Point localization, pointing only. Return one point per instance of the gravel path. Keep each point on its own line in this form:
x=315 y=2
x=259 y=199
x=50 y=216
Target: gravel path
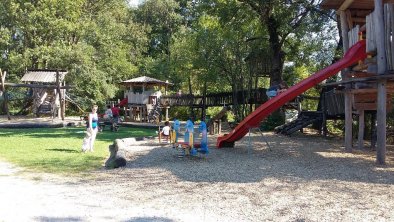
x=303 y=178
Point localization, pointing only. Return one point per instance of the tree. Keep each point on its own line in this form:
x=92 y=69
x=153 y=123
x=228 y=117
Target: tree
x=96 y=41
x=284 y=19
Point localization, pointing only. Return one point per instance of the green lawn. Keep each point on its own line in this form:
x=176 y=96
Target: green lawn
x=58 y=150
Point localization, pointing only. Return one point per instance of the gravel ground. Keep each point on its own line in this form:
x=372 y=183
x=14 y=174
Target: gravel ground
x=303 y=178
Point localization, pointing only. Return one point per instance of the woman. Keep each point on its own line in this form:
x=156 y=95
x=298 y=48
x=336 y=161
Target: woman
x=92 y=126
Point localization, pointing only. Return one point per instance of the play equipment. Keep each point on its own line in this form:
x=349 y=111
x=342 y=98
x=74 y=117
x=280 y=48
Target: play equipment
x=353 y=55
x=189 y=146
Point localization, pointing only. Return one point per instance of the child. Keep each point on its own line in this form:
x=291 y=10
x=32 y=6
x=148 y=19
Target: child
x=276 y=89
x=166 y=129
x=165 y=132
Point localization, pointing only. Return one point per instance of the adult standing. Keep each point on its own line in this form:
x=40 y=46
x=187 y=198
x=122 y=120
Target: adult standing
x=115 y=113
x=92 y=127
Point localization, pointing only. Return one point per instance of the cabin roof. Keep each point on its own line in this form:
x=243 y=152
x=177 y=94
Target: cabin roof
x=145 y=80
x=43 y=75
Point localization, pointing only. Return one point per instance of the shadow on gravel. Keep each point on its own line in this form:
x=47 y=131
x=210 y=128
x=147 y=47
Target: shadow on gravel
x=149 y=219
x=58 y=219
x=296 y=159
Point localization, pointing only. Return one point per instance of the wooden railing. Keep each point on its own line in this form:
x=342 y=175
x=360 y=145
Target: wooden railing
x=216 y=99
x=353 y=35
x=372 y=35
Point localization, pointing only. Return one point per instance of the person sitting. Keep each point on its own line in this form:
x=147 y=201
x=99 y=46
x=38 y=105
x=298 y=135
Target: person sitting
x=275 y=90
x=108 y=113
x=165 y=132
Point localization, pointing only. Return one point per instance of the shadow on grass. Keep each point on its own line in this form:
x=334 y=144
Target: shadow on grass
x=69 y=164
x=64 y=150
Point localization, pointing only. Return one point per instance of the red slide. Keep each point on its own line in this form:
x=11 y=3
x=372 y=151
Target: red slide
x=353 y=55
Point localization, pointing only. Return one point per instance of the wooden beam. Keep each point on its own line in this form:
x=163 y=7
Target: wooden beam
x=359 y=20
x=351 y=80
x=37 y=86
x=369 y=106
x=345 y=5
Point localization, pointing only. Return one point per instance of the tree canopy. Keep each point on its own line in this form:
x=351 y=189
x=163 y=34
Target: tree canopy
x=201 y=46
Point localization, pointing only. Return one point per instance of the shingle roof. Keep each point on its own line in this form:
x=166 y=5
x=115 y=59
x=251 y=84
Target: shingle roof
x=46 y=76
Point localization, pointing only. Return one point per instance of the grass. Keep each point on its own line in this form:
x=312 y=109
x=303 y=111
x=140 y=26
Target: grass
x=58 y=150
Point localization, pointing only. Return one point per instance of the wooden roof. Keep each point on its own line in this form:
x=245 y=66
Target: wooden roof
x=145 y=80
x=43 y=75
x=353 y=4
x=350 y=4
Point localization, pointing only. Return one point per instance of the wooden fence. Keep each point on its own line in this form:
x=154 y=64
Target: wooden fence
x=216 y=99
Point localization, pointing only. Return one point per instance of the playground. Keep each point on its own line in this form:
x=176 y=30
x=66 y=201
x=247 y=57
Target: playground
x=302 y=178
x=197 y=111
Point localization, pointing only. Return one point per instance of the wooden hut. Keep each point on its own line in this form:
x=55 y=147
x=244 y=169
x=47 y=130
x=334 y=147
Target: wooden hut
x=48 y=99
x=369 y=85
x=142 y=94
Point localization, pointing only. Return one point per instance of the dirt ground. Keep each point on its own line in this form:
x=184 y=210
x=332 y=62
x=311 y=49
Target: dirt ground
x=302 y=178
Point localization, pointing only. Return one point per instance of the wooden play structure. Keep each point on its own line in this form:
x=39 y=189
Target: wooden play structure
x=143 y=94
x=47 y=89
x=368 y=86
x=50 y=101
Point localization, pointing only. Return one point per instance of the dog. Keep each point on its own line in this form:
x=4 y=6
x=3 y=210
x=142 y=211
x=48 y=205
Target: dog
x=86 y=141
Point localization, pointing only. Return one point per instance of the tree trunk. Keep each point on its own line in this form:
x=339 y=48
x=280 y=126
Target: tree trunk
x=277 y=61
x=276 y=49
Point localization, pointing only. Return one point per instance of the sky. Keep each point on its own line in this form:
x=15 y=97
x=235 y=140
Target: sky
x=134 y=3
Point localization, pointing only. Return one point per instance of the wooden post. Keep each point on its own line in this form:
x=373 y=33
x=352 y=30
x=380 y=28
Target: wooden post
x=361 y=127
x=220 y=126
x=348 y=99
x=344 y=30
x=2 y=78
x=159 y=135
x=204 y=98
x=381 y=123
x=373 y=131
x=324 y=113
x=348 y=122
x=382 y=67
x=167 y=108
x=60 y=94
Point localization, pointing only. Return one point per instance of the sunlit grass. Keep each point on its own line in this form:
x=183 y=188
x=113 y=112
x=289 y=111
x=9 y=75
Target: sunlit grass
x=59 y=150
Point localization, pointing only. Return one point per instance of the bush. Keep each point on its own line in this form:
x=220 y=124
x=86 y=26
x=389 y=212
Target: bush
x=272 y=121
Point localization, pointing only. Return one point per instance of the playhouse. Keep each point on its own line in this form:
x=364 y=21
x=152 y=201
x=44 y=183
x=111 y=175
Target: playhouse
x=143 y=94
